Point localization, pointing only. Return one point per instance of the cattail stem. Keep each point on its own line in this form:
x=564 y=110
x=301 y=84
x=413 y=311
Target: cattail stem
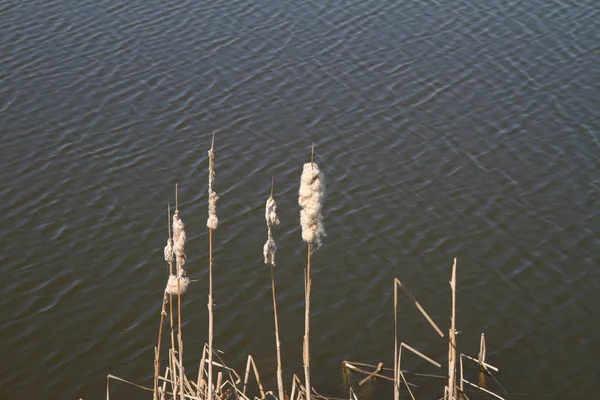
x=306 y=357
x=171 y=295
x=452 y=392
x=210 y=318
x=157 y=358
x=179 y=338
x=277 y=341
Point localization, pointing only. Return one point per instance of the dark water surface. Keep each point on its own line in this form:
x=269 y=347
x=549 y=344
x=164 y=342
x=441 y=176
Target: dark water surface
x=465 y=128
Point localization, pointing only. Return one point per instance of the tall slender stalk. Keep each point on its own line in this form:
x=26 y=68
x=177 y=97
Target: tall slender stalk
x=452 y=392
x=179 y=238
x=269 y=251
x=212 y=224
x=157 y=357
x=210 y=317
x=307 y=329
x=277 y=341
x=311 y=195
x=168 y=252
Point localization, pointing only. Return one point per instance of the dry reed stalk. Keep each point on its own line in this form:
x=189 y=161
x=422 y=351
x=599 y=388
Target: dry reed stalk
x=482 y=352
x=157 y=357
x=179 y=238
x=371 y=375
x=306 y=352
x=398 y=283
x=201 y=382
x=310 y=198
x=452 y=393
x=212 y=224
x=277 y=341
x=251 y=363
x=269 y=250
x=170 y=259
x=353 y=366
x=168 y=253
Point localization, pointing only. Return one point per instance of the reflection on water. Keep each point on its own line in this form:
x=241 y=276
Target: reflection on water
x=446 y=129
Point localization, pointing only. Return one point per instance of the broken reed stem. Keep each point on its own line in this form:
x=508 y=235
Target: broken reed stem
x=277 y=341
x=306 y=355
x=210 y=316
x=452 y=392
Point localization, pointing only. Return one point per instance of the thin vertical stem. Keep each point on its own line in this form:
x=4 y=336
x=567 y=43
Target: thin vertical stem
x=307 y=330
x=179 y=338
x=277 y=342
x=396 y=366
x=170 y=294
x=452 y=347
x=157 y=359
x=272 y=185
x=210 y=316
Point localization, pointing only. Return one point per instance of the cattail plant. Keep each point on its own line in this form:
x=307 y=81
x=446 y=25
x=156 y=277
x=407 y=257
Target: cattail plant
x=179 y=283
x=169 y=258
x=269 y=250
x=310 y=198
x=212 y=224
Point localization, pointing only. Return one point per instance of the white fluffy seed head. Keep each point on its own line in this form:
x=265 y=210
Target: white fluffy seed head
x=169 y=251
x=271 y=212
x=179 y=238
x=310 y=197
x=172 y=284
x=212 y=222
x=270 y=248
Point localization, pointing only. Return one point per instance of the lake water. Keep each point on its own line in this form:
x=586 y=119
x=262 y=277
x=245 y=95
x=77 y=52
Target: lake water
x=465 y=128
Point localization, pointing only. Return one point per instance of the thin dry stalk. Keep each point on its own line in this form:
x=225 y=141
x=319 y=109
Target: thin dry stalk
x=306 y=353
x=482 y=351
x=371 y=375
x=452 y=393
x=210 y=318
x=157 y=357
x=353 y=367
x=398 y=283
x=277 y=341
x=201 y=382
x=179 y=338
x=212 y=224
x=269 y=253
x=250 y=363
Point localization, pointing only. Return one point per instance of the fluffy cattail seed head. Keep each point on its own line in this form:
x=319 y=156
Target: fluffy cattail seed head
x=169 y=251
x=179 y=238
x=270 y=248
x=310 y=198
x=212 y=221
x=171 y=288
